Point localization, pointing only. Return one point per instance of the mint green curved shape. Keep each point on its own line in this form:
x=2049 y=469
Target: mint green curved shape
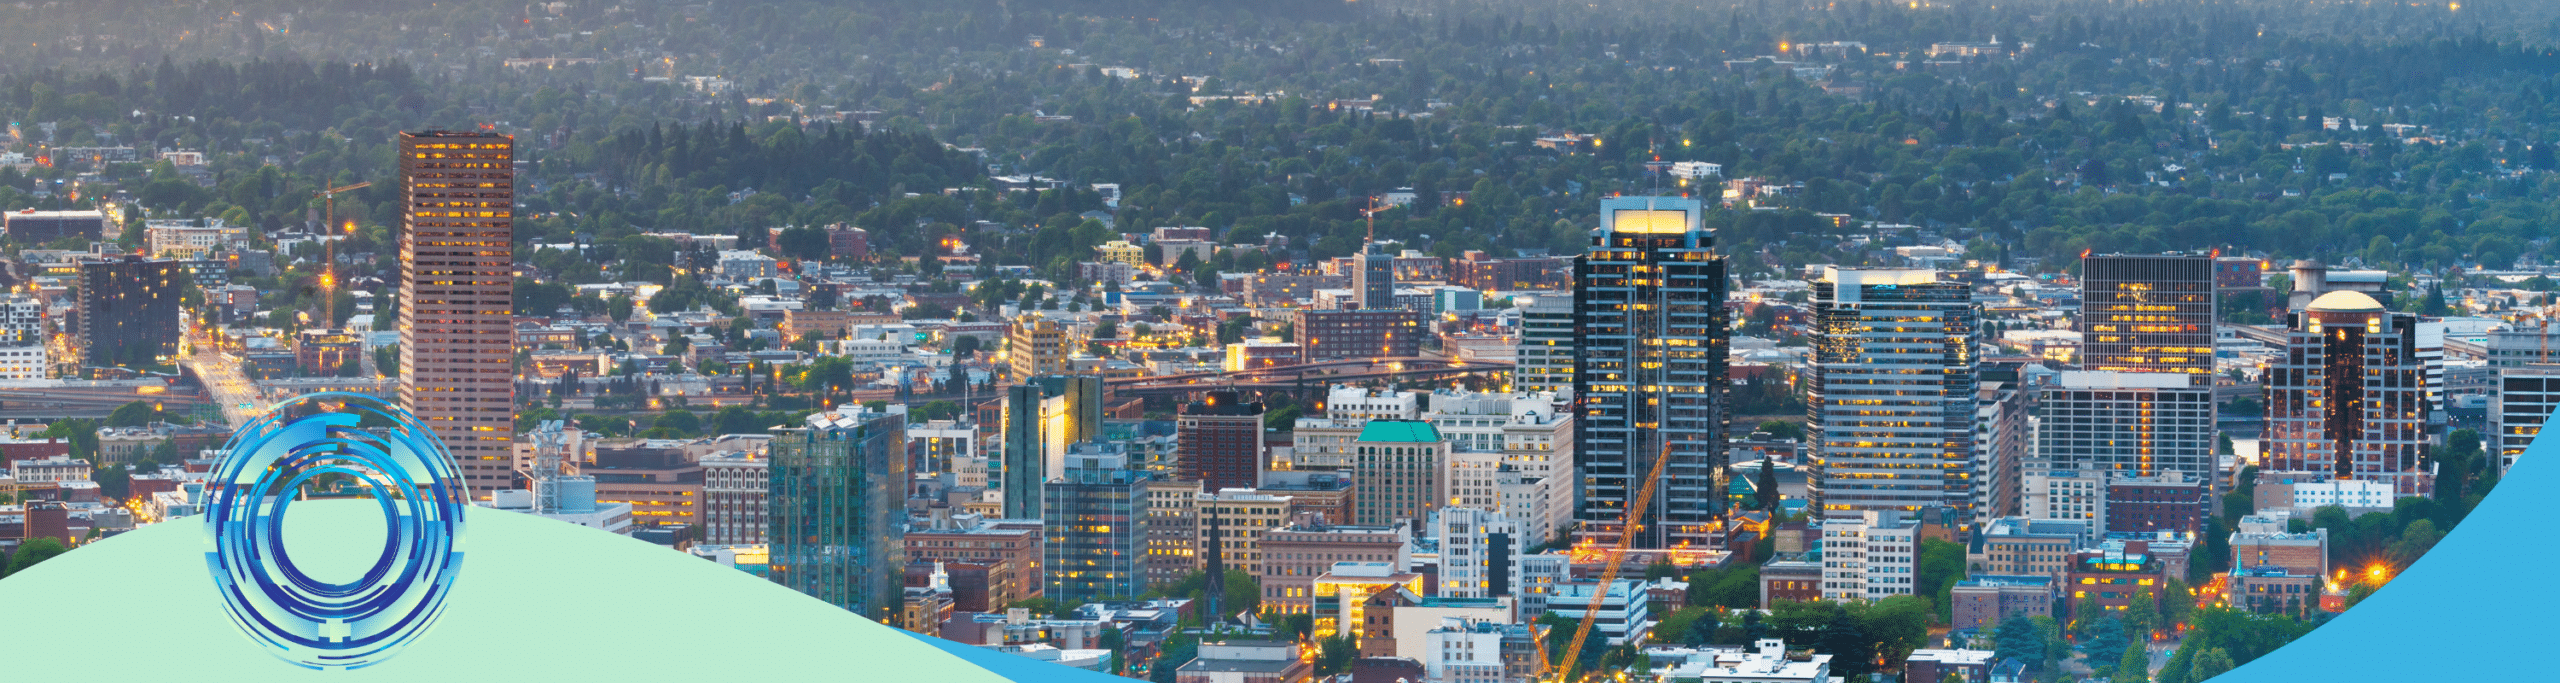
x=547 y=600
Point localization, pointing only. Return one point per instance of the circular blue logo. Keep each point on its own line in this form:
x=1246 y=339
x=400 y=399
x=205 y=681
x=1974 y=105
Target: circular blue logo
x=386 y=454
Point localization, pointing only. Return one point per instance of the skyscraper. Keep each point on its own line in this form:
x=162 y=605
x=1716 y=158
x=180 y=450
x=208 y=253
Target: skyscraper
x=838 y=509
x=1375 y=280
x=457 y=276
x=2145 y=406
x=2148 y=313
x=1094 y=524
x=129 y=311
x=2348 y=395
x=1649 y=308
x=1220 y=442
x=1891 y=417
x=1043 y=416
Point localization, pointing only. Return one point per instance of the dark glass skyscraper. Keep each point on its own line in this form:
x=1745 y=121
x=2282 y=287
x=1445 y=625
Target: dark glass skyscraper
x=1094 y=527
x=1042 y=417
x=1649 y=307
x=2148 y=313
x=838 y=510
x=129 y=311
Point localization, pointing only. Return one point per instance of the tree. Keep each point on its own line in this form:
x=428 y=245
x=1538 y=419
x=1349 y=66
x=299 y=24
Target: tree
x=114 y=481
x=679 y=423
x=2210 y=663
x=1941 y=566
x=2134 y=666
x=1177 y=651
x=1335 y=655
x=1770 y=500
x=32 y=552
x=618 y=308
x=135 y=414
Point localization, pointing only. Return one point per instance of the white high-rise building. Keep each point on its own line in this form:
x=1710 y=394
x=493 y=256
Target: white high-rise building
x=2132 y=424
x=1545 y=359
x=1463 y=651
x=1870 y=557
x=1480 y=553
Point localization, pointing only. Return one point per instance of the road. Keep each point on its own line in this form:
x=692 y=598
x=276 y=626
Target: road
x=231 y=390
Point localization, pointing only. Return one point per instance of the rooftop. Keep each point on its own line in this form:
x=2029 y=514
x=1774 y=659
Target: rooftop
x=1400 y=431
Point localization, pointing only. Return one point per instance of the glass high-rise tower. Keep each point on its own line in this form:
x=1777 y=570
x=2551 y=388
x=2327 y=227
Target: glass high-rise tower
x=1650 y=381
x=837 y=523
x=457 y=285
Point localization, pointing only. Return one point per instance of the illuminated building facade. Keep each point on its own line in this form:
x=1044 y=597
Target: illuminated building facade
x=457 y=278
x=2142 y=313
x=1650 y=380
x=1891 y=416
x=2126 y=424
x=1035 y=346
x=1094 y=527
x=2348 y=396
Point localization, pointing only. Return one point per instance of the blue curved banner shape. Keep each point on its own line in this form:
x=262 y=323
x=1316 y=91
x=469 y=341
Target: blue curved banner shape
x=2473 y=607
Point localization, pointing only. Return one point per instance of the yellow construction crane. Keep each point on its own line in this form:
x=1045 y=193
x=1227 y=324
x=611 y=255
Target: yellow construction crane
x=1609 y=571
x=329 y=264
x=330 y=196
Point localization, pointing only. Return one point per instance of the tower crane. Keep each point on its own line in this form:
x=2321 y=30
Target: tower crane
x=1617 y=559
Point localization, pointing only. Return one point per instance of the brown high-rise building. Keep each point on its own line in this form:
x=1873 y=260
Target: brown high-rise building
x=2148 y=313
x=457 y=273
x=1220 y=442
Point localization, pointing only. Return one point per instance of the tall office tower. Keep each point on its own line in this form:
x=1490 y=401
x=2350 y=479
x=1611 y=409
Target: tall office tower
x=1546 y=347
x=1650 y=378
x=2348 y=395
x=2526 y=398
x=457 y=278
x=129 y=313
x=1042 y=417
x=2127 y=424
x=1891 y=416
x=1219 y=440
x=1400 y=472
x=1374 y=282
x=2148 y=313
x=837 y=507
x=1094 y=527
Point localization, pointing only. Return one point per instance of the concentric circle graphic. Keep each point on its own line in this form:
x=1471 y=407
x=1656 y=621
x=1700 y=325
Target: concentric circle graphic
x=369 y=448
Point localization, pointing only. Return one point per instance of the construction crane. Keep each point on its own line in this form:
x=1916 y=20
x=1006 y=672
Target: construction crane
x=1609 y=571
x=329 y=266
x=330 y=197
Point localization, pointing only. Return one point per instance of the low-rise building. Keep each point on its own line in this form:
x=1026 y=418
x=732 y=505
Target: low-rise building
x=1985 y=600
x=1971 y=666
x=1246 y=661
